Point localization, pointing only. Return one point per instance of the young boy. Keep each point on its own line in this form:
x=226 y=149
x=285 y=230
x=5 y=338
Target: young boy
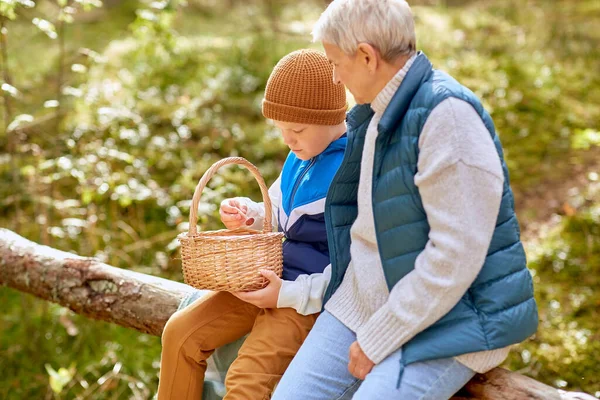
x=309 y=109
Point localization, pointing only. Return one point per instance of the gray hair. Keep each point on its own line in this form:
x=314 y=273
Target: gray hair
x=387 y=25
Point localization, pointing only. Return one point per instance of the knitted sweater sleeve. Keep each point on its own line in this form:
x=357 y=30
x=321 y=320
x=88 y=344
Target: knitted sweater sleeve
x=460 y=181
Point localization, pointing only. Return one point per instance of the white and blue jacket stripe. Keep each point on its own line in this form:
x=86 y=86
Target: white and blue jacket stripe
x=299 y=204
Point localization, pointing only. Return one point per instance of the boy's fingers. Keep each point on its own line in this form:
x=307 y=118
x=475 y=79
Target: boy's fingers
x=230 y=218
x=233 y=214
x=229 y=209
x=270 y=275
x=236 y=203
x=226 y=202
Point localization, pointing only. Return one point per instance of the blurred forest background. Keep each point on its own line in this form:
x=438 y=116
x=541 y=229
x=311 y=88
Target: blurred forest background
x=111 y=111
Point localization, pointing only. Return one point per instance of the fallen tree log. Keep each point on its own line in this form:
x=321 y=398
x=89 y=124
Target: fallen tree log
x=88 y=287
x=144 y=303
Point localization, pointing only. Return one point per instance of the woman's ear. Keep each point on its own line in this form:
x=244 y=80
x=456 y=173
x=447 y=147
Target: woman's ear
x=368 y=56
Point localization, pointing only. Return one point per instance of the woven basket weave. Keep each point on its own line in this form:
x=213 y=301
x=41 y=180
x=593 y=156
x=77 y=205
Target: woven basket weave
x=230 y=260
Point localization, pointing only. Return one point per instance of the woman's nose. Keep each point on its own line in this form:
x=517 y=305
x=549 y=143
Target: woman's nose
x=336 y=78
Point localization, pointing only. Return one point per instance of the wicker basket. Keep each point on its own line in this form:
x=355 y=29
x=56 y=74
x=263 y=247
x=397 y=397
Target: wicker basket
x=230 y=260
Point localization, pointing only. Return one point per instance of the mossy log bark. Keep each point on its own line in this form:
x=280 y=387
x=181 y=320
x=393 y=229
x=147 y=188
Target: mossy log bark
x=88 y=287
x=145 y=303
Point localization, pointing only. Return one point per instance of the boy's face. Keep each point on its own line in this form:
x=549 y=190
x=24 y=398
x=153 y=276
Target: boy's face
x=306 y=141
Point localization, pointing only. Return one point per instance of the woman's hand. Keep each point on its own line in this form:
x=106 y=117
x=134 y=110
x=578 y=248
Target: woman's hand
x=360 y=365
x=266 y=297
x=233 y=214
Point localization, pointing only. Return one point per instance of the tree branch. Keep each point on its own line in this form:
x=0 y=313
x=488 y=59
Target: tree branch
x=145 y=303
x=88 y=287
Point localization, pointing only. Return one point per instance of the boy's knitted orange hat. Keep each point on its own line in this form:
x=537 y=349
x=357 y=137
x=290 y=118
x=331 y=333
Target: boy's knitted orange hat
x=301 y=90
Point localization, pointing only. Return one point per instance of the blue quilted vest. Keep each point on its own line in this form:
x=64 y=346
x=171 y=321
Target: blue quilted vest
x=498 y=309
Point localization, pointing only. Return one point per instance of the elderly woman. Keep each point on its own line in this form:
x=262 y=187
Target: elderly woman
x=428 y=281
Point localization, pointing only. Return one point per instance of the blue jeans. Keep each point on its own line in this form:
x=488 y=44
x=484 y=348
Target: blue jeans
x=320 y=371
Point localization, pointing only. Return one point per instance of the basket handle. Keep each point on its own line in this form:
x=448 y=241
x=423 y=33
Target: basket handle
x=267 y=227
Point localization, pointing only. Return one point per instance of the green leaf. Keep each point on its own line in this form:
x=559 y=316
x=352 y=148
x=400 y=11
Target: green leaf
x=147 y=15
x=125 y=201
x=51 y=103
x=26 y=3
x=89 y=4
x=10 y=89
x=159 y=5
x=7 y=8
x=7 y=11
x=45 y=26
x=58 y=380
x=585 y=138
x=18 y=121
x=28 y=170
x=79 y=68
x=66 y=15
x=87 y=196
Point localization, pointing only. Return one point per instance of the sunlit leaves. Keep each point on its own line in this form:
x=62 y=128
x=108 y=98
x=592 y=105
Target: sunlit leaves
x=66 y=15
x=59 y=379
x=10 y=89
x=89 y=4
x=51 y=103
x=153 y=109
x=19 y=121
x=566 y=346
x=537 y=84
x=8 y=7
x=147 y=15
x=45 y=26
x=79 y=68
x=585 y=138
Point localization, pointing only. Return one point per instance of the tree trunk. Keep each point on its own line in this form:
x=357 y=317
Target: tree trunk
x=88 y=287
x=145 y=303
x=500 y=383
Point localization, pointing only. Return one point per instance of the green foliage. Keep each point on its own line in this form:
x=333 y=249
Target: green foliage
x=98 y=360
x=531 y=64
x=8 y=8
x=147 y=116
x=585 y=139
x=45 y=26
x=155 y=93
x=566 y=267
x=59 y=379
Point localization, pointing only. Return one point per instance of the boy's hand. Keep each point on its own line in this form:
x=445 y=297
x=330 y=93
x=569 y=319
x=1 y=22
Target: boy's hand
x=233 y=214
x=266 y=297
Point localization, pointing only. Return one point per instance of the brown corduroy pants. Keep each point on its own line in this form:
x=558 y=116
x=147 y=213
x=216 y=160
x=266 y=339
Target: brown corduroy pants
x=191 y=335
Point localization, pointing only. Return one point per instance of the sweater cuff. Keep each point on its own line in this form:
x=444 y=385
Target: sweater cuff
x=381 y=335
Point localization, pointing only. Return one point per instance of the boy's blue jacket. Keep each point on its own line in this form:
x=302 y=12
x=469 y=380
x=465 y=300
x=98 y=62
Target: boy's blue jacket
x=301 y=191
